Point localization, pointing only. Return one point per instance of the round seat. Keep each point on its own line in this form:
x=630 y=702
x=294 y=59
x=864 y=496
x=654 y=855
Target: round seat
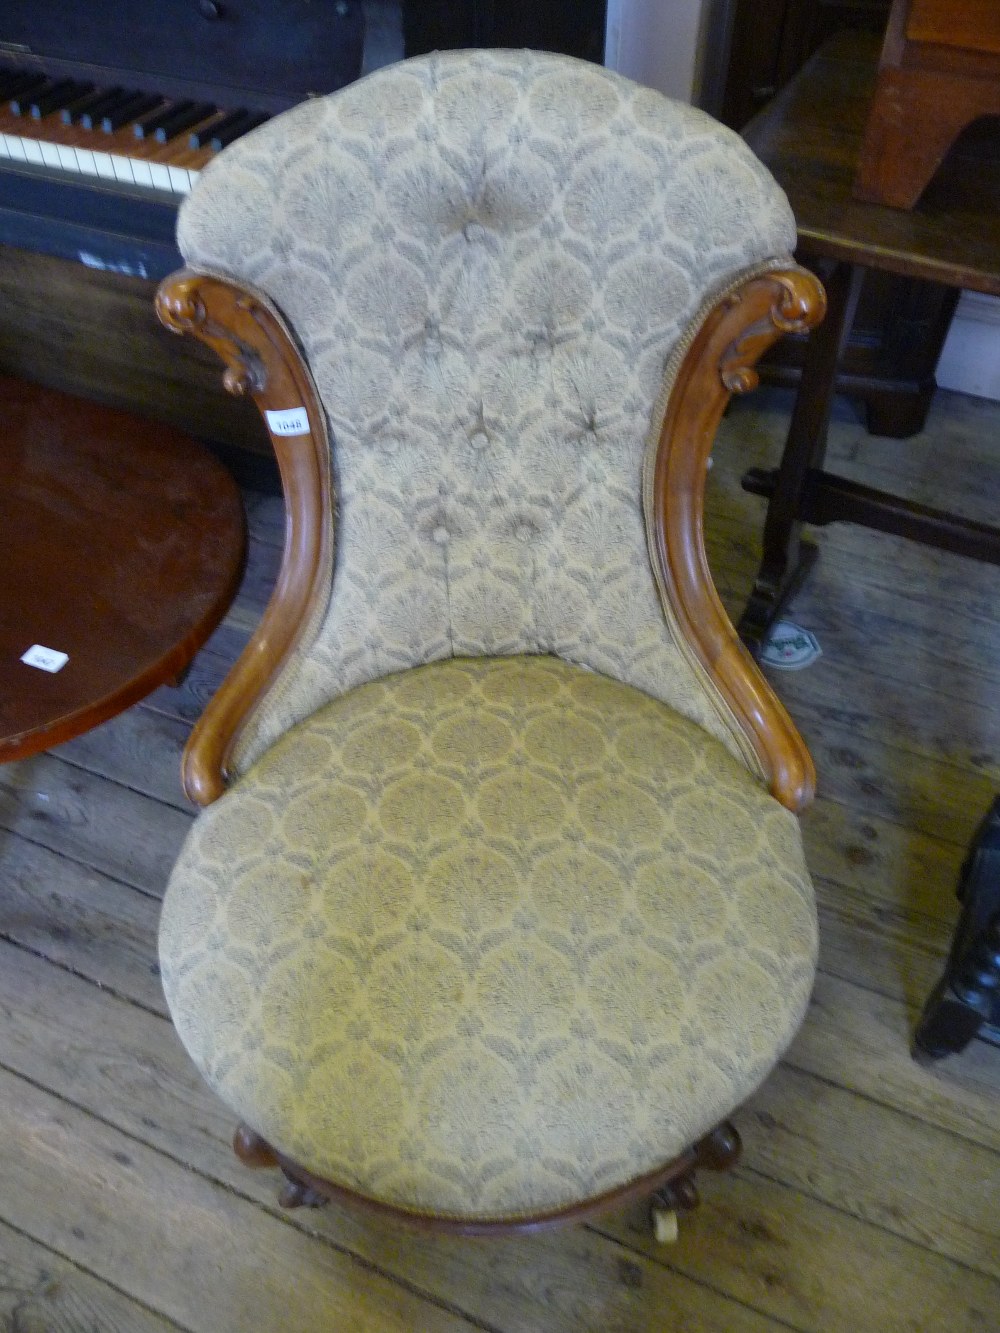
x=489 y=938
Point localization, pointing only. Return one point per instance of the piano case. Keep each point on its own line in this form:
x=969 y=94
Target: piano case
x=80 y=253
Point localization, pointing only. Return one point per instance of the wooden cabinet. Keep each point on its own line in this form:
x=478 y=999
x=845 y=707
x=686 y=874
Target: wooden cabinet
x=939 y=72
x=971 y=24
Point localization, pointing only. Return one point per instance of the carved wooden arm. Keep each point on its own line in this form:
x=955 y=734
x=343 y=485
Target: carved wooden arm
x=720 y=362
x=262 y=360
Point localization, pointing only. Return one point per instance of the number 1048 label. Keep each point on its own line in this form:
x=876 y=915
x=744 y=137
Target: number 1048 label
x=288 y=421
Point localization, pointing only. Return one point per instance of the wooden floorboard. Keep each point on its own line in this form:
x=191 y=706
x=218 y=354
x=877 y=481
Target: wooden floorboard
x=869 y=1193
x=40 y=1290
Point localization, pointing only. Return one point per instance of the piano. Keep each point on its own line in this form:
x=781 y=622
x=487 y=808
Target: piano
x=108 y=110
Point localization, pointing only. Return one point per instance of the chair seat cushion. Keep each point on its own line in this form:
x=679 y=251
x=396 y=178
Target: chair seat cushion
x=489 y=938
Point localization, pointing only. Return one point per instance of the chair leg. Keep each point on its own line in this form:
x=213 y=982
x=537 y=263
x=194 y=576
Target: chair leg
x=251 y=1149
x=295 y=1194
x=670 y=1200
x=255 y=1152
x=719 y=1150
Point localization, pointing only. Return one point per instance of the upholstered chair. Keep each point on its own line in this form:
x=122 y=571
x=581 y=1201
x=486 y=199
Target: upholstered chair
x=497 y=908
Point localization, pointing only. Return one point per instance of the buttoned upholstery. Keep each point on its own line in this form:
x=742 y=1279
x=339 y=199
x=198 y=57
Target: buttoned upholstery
x=497 y=915
x=491 y=259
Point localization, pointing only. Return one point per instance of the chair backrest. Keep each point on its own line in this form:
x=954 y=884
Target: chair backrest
x=493 y=263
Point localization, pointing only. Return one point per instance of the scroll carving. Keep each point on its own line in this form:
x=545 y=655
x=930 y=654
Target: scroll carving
x=181 y=309
x=797 y=305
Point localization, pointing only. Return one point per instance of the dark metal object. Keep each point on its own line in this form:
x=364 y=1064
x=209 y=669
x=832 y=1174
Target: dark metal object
x=968 y=995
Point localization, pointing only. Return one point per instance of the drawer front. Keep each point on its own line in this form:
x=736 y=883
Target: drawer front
x=974 y=24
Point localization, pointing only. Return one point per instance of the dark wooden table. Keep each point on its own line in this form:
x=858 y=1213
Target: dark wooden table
x=121 y=546
x=810 y=138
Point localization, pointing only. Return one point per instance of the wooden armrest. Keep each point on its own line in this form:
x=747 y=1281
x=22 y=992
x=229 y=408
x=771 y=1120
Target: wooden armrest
x=719 y=363
x=261 y=359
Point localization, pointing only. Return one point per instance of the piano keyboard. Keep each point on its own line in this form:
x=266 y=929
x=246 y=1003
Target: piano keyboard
x=115 y=135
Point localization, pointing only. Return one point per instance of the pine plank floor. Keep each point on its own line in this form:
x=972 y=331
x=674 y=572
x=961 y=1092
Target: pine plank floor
x=869 y=1194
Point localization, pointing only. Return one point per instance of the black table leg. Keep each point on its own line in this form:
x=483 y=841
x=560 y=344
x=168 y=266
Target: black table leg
x=787 y=559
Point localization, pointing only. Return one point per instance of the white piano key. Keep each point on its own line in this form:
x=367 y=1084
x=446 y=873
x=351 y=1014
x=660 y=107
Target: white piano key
x=15 y=148
x=85 y=162
x=122 y=168
x=180 y=180
x=160 y=176
x=107 y=166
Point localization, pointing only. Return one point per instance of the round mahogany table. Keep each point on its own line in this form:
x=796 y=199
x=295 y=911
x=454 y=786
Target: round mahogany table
x=121 y=545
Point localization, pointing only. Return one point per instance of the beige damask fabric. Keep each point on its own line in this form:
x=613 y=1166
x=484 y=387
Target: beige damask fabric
x=489 y=937
x=490 y=259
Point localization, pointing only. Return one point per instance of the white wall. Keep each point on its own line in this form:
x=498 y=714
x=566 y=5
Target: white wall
x=658 y=42
x=970 y=359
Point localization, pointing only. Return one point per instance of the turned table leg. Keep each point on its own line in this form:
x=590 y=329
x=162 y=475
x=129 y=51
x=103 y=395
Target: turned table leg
x=787 y=559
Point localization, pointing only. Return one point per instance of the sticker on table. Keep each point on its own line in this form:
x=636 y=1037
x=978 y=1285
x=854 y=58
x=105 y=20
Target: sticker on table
x=789 y=647
x=288 y=421
x=46 y=659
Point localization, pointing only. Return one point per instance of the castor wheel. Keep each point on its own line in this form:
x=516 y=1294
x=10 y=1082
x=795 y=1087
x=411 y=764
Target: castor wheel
x=295 y=1194
x=666 y=1226
x=676 y=1197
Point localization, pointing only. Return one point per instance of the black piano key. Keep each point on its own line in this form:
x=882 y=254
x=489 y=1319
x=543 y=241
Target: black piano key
x=199 y=137
x=19 y=102
x=145 y=127
x=58 y=96
x=137 y=105
x=231 y=127
x=89 y=117
x=73 y=113
x=72 y=105
x=202 y=137
x=183 y=117
x=160 y=124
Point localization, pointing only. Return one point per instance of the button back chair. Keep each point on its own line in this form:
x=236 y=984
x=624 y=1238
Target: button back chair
x=498 y=906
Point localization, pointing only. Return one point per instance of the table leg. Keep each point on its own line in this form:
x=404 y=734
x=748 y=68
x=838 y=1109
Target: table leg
x=787 y=559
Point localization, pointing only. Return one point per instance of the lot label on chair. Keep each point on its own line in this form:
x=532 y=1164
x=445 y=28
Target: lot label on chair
x=46 y=659
x=288 y=421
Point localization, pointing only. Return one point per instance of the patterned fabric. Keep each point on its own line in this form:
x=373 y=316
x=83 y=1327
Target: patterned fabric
x=490 y=259
x=489 y=937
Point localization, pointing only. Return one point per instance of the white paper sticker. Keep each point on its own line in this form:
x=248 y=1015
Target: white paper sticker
x=46 y=659
x=289 y=421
